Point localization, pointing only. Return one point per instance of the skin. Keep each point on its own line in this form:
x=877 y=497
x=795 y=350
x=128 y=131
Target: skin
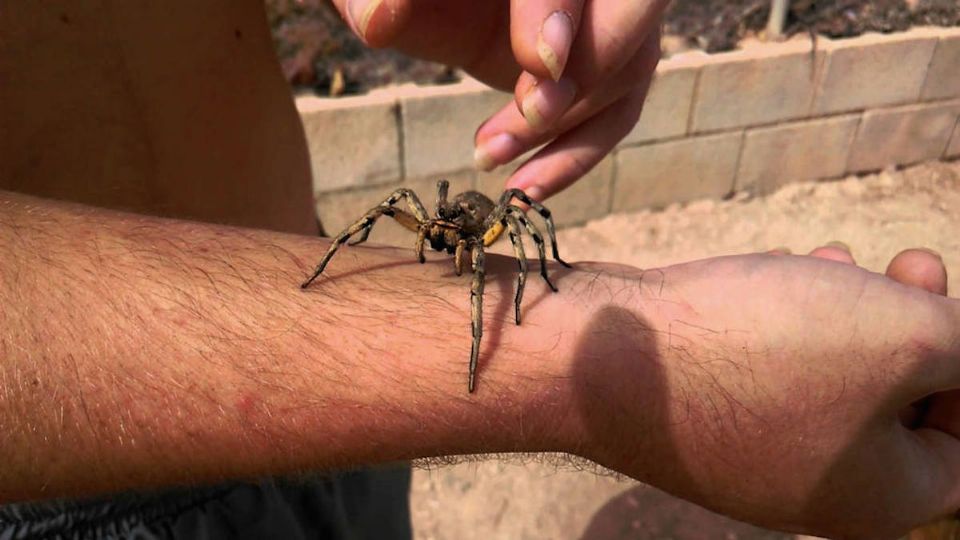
x=613 y=55
x=208 y=362
x=98 y=113
x=773 y=388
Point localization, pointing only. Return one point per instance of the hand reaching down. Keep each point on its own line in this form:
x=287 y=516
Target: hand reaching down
x=579 y=69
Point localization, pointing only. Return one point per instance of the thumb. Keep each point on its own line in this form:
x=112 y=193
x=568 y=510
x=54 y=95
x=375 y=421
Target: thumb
x=942 y=453
x=376 y=22
x=939 y=439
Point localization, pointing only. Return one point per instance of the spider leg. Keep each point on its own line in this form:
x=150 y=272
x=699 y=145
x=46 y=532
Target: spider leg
x=416 y=207
x=458 y=256
x=534 y=231
x=476 y=312
x=405 y=219
x=418 y=248
x=363 y=237
x=366 y=222
x=510 y=194
x=409 y=220
x=341 y=238
x=517 y=241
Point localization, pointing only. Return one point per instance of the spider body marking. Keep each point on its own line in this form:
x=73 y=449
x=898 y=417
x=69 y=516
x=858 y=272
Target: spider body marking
x=462 y=227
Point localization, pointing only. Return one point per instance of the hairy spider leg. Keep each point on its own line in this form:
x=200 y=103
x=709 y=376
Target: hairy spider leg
x=367 y=221
x=502 y=212
x=476 y=312
x=458 y=256
x=418 y=247
x=534 y=231
x=405 y=219
x=419 y=212
x=510 y=194
x=517 y=242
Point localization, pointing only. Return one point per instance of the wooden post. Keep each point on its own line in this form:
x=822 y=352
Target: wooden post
x=778 y=19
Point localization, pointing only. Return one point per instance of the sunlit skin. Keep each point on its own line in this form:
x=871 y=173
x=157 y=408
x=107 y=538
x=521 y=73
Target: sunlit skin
x=780 y=408
x=614 y=50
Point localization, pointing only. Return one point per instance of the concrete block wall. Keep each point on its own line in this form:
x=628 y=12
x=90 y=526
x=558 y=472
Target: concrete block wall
x=750 y=120
x=953 y=151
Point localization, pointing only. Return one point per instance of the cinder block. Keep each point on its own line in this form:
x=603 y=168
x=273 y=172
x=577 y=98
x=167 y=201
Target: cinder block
x=353 y=141
x=588 y=198
x=953 y=151
x=798 y=151
x=874 y=71
x=657 y=175
x=903 y=135
x=439 y=124
x=340 y=209
x=667 y=109
x=943 y=77
x=757 y=86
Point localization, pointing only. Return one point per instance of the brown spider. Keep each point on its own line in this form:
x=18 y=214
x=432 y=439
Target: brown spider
x=469 y=223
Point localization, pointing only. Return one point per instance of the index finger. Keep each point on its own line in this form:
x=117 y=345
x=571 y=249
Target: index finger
x=542 y=33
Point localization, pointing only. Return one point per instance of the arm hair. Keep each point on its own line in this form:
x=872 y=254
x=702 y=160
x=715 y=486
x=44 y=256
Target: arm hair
x=138 y=351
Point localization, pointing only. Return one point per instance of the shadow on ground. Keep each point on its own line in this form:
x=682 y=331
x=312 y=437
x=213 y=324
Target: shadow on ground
x=644 y=513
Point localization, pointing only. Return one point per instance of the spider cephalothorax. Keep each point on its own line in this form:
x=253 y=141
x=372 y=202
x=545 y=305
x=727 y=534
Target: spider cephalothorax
x=465 y=225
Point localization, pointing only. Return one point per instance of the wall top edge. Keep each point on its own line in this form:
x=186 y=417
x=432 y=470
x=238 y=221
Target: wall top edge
x=694 y=59
x=308 y=103
x=919 y=33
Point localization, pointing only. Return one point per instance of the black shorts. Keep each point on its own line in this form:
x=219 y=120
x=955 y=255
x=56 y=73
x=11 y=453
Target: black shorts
x=355 y=505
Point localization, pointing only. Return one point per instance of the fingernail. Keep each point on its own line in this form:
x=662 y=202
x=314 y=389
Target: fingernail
x=554 y=42
x=361 y=11
x=782 y=249
x=496 y=150
x=546 y=102
x=839 y=245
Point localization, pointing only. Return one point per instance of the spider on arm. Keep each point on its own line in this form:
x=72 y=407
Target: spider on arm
x=465 y=225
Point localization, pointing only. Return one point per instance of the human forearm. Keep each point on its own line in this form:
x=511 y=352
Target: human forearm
x=139 y=351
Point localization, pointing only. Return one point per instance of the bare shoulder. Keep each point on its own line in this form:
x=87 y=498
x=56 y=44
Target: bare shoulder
x=170 y=108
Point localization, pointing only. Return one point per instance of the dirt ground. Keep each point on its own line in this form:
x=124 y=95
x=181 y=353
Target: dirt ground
x=878 y=216
x=719 y=25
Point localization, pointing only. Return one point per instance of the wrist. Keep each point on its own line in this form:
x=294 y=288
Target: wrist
x=620 y=395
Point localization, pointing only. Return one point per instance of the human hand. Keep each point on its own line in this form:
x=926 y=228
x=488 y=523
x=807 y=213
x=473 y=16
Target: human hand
x=579 y=69
x=791 y=392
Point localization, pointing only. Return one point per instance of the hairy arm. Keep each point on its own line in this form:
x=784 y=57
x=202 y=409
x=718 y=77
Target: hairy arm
x=137 y=351
x=140 y=352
